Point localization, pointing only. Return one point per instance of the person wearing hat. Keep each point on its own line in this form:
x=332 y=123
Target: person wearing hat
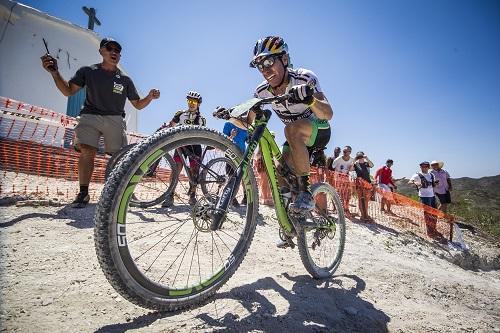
x=443 y=187
x=107 y=89
x=361 y=166
x=425 y=183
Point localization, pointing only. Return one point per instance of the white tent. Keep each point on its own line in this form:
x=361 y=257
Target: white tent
x=21 y=74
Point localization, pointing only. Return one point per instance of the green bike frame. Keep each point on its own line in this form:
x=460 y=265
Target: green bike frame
x=270 y=150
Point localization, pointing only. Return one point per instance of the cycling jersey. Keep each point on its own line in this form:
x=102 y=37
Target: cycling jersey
x=287 y=111
x=186 y=117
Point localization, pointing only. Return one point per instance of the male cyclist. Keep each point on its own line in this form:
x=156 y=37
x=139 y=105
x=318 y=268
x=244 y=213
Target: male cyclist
x=191 y=116
x=305 y=114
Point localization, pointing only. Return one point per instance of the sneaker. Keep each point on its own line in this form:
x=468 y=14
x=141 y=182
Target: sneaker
x=192 y=199
x=82 y=199
x=303 y=202
x=169 y=201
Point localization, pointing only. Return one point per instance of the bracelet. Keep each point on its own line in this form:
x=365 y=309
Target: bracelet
x=313 y=102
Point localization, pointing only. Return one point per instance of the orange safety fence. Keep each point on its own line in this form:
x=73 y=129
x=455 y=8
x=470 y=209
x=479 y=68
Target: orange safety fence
x=37 y=157
x=37 y=160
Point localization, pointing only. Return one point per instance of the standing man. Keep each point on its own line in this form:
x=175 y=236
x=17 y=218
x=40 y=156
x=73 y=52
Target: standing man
x=107 y=89
x=384 y=180
x=192 y=117
x=329 y=160
x=361 y=166
x=425 y=183
x=341 y=165
x=443 y=186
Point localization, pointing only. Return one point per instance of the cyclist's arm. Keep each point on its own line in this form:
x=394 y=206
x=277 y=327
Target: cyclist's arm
x=244 y=122
x=321 y=108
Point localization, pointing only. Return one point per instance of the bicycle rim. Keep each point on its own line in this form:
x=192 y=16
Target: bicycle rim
x=167 y=258
x=321 y=247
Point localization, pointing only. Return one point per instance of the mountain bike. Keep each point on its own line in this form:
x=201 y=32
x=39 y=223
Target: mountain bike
x=177 y=258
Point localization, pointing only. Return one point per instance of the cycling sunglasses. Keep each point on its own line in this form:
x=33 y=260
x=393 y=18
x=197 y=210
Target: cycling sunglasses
x=265 y=63
x=112 y=48
x=192 y=101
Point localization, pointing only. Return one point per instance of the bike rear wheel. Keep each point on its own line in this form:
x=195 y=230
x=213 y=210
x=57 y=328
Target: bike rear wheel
x=156 y=186
x=169 y=259
x=321 y=246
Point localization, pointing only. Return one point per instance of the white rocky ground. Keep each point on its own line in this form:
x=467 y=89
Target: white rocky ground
x=388 y=281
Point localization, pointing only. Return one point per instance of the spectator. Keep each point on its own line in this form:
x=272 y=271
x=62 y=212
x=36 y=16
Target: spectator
x=443 y=187
x=361 y=166
x=239 y=136
x=425 y=183
x=329 y=160
x=384 y=180
x=318 y=158
x=107 y=89
x=341 y=165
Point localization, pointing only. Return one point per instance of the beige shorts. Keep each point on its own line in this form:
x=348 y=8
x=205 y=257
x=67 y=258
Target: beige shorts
x=90 y=127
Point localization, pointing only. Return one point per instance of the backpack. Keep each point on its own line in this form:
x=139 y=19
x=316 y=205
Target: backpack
x=425 y=183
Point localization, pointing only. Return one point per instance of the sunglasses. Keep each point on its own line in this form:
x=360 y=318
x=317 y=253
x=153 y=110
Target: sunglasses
x=111 y=48
x=265 y=63
x=192 y=101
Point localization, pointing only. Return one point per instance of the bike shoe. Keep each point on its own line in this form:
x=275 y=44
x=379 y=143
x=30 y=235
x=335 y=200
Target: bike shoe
x=169 y=201
x=303 y=202
x=82 y=199
x=284 y=244
x=192 y=199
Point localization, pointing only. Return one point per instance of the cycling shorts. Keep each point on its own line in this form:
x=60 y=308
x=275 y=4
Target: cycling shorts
x=320 y=136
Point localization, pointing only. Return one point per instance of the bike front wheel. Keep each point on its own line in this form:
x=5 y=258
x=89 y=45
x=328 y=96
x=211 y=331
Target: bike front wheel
x=321 y=242
x=168 y=258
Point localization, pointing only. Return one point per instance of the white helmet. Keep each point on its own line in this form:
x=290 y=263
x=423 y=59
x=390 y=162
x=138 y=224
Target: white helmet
x=194 y=95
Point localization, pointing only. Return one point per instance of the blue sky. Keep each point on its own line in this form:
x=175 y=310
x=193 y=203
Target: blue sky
x=408 y=80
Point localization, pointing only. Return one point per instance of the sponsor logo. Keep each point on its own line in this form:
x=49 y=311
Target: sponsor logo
x=117 y=88
x=121 y=235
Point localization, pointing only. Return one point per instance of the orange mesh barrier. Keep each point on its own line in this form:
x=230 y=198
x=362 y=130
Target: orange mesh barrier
x=37 y=159
x=406 y=214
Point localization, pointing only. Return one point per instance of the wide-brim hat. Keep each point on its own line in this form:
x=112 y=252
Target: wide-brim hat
x=439 y=163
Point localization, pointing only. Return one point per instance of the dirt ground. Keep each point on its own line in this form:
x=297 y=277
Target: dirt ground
x=388 y=282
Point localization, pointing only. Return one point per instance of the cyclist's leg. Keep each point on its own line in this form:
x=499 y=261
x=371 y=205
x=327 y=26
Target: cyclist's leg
x=169 y=200
x=301 y=135
x=195 y=152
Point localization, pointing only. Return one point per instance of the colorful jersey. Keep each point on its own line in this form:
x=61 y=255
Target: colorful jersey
x=287 y=111
x=385 y=175
x=241 y=134
x=186 y=117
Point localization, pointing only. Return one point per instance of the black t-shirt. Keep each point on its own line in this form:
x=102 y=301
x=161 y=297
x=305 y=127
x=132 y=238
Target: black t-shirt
x=106 y=91
x=363 y=171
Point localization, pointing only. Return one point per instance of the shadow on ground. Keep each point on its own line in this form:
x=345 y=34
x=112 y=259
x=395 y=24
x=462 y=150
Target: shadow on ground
x=313 y=306
x=81 y=218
